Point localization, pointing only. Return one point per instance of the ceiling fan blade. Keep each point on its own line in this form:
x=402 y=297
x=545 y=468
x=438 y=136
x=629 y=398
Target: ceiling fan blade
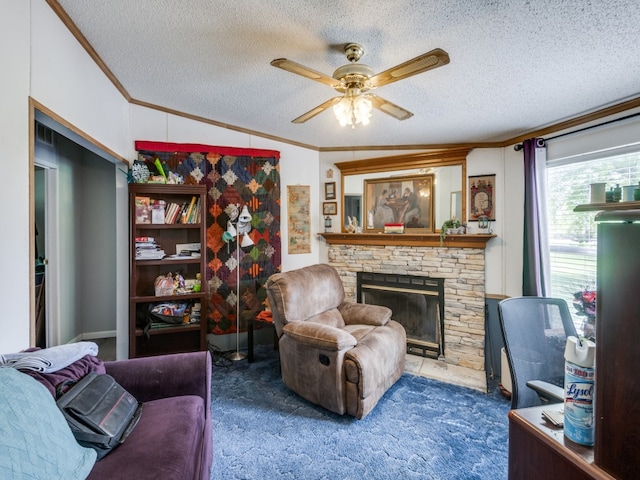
x=315 y=111
x=389 y=108
x=306 y=72
x=427 y=61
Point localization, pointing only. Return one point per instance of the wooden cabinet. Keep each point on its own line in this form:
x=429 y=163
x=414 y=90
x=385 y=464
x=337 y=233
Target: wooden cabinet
x=538 y=450
x=617 y=401
x=153 y=338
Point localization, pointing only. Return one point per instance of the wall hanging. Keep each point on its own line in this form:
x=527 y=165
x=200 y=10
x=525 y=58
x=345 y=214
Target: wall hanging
x=482 y=197
x=235 y=177
x=298 y=208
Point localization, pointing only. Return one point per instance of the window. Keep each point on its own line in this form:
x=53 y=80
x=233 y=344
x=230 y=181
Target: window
x=573 y=235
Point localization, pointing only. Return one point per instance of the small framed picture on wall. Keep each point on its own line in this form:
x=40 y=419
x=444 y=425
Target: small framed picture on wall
x=482 y=197
x=330 y=191
x=330 y=208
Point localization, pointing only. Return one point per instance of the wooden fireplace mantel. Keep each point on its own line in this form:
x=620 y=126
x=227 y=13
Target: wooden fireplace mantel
x=408 y=239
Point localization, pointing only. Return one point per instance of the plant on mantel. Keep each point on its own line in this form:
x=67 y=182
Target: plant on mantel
x=450 y=224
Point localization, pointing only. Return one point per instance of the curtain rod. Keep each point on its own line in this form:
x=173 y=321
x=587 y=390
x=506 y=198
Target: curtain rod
x=519 y=146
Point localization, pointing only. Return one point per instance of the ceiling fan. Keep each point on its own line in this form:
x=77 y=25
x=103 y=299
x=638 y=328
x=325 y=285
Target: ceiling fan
x=355 y=79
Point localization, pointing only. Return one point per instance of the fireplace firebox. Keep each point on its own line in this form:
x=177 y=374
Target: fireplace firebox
x=417 y=304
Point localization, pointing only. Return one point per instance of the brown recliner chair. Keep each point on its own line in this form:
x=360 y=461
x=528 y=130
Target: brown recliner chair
x=340 y=355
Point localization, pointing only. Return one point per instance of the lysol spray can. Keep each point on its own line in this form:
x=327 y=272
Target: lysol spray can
x=579 y=374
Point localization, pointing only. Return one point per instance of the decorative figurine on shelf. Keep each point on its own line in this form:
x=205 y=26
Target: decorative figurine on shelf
x=178 y=283
x=351 y=228
x=484 y=222
x=617 y=193
x=352 y=225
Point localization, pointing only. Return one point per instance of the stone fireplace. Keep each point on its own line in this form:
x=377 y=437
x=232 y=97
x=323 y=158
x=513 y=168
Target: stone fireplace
x=462 y=270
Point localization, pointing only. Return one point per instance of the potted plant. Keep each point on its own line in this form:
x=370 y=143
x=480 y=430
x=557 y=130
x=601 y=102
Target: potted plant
x=449 y=227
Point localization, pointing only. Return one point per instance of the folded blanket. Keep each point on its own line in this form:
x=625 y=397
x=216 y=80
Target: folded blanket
x=49 y=360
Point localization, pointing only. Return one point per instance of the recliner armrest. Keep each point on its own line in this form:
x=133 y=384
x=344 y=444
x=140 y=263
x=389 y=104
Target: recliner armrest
x=320 y=336
x=364 y=314
x=549 y=391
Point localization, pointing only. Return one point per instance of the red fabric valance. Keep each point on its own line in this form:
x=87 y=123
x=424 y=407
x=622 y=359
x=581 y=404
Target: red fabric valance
x=195 y=147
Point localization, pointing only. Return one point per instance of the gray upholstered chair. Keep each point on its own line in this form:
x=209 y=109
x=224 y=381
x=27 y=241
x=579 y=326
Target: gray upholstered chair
x=340 y=355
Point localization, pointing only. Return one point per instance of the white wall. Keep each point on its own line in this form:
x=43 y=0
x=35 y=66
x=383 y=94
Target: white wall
x=14 y=138
x=503 y=255
x=67 y=81
x=97 y=247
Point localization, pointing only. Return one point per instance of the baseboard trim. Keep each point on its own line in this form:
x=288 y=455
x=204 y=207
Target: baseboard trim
x=93 y=336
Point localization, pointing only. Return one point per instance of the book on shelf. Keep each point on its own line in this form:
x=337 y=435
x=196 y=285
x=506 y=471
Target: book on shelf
x=194 y=216
x=150 y=254
x=170 y=212
x=146 y=245
x=182 y=212
x=187 y=216
x=148 y=250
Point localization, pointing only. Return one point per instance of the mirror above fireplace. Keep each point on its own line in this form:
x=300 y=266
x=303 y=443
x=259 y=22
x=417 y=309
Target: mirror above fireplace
x=448 y=168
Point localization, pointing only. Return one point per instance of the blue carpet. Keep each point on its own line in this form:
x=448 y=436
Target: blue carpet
x=420 y=429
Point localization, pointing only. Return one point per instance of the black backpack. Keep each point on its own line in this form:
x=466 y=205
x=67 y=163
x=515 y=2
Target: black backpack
x=99 y=411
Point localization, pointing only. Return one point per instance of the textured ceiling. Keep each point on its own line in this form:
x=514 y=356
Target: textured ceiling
x=516 y=65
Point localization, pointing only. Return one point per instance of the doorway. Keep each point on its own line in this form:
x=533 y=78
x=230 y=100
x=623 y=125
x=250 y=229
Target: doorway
x=74 y=192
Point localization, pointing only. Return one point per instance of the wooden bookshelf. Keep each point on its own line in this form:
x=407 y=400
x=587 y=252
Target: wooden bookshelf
x=171 y=338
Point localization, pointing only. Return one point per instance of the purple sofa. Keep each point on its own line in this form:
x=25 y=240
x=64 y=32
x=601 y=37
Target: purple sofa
x=174 y=437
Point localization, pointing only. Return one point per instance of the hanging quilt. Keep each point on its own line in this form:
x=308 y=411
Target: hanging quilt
x=234 y=177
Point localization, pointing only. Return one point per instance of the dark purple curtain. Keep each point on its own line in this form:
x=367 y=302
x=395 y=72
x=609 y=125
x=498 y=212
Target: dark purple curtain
x=536 y=270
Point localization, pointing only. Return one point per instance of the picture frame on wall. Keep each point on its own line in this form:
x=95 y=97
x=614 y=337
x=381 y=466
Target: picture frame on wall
x=330 y=190
x=482 y=198
x=330 y=208
x=407 y=200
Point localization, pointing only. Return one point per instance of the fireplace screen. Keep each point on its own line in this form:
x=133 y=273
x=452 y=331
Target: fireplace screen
x=417 y=304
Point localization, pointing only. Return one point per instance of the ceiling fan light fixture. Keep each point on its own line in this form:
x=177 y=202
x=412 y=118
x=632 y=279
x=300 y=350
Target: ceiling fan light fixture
x=353 y=109
x=354 y=79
